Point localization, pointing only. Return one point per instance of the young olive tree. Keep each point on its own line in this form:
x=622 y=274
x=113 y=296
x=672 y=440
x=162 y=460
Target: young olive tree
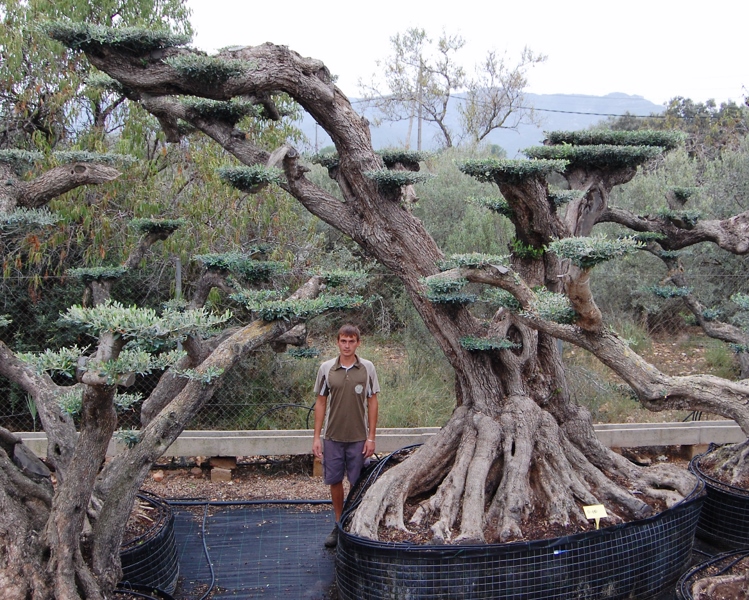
x=63 y=540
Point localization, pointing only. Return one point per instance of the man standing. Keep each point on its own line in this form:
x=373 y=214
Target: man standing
x=346 y=411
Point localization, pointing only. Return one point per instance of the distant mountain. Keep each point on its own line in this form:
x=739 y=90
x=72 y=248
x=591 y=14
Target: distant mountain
x=557 y=112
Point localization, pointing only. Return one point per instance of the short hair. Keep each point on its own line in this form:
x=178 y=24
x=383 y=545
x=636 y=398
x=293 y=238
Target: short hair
x=349 y=330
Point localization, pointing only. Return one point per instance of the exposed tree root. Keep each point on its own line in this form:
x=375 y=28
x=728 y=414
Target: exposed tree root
x=504 y=476
x=735 y=587
x=728 y=464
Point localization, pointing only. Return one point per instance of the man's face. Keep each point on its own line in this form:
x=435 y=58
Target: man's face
x=347 y=345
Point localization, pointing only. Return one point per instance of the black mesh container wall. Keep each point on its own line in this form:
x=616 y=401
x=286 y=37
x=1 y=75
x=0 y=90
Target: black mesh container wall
x=724 y=520
x=634 y=560
x=151 y=559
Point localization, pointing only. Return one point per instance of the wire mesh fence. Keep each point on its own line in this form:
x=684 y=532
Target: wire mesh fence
x=266 y=390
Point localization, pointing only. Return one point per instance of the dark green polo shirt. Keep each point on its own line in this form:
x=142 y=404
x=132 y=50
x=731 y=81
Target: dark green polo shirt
x=347 y=391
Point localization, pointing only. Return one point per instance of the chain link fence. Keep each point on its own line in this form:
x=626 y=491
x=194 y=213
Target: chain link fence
x=266 y=390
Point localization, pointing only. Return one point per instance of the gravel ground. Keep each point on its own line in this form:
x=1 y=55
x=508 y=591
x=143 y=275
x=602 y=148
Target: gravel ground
x=253 y=478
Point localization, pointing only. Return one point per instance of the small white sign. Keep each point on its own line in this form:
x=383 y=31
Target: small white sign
x=595 y=511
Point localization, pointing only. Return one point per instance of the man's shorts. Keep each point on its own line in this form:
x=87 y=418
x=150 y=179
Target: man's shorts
x=342 y=457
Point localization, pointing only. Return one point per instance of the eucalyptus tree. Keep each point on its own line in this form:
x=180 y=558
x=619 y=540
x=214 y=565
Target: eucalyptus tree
x=42 y=100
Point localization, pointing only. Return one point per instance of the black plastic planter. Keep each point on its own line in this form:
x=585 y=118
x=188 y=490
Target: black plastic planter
x=151 y=559
x=724 y=521
x=723 y=564
x=640 y=560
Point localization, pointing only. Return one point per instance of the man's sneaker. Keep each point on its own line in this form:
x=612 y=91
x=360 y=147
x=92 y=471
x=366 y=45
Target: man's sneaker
x=332 y=540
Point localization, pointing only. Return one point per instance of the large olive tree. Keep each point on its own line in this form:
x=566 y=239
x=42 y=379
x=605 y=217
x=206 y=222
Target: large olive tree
x=516 y=444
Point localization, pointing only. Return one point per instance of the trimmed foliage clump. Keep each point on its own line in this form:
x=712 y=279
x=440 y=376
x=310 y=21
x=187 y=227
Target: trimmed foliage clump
x=682 y=194
x=90 y=274
x=250 y=179
x=496 y=204
x=230 y=112
x=23 y=159
x=445 y=286
x=20 y=159
x=486 y=344
x=711 y=314
x=102 y=81
x=559 y=197
x=141 y=324
x=242 y=266
x=473 y=260
x=150 y=226
x=26 y=217
x=390 y=182
x=82 y=156
x=648 y=236
x=408 y=158
x=88 y=37
x=457 y=299
x=510 y=171
x=598 y=157
x=303 y=352
x=681 y=218
x=668 y=291
x=339 y=277
x=525 y=251
x=741 y=299
x=663 y=139
x=499 y=297
x=210 y=70
x=587 y=252
x=552 y=306
x=329 y=161
x=288 y=310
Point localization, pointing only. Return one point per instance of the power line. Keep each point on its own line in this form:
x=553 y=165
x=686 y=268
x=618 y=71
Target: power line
x=574 y=112
x=592 y=114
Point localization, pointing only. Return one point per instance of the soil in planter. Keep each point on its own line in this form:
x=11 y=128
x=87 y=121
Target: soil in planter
x=709 y=467
x=141 y=520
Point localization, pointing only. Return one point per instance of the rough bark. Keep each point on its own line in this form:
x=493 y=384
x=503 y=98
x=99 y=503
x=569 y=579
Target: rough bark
x=17 y=193
x=730 y=234
x=25 y=503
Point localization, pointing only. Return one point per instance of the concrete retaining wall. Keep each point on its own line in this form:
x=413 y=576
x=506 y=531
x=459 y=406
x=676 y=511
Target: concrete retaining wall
x=299 y=441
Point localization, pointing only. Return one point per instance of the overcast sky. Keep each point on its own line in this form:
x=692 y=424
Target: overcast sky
x=657 y=49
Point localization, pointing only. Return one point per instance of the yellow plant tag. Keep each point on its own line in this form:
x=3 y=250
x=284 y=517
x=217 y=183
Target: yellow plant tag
x=595 y=511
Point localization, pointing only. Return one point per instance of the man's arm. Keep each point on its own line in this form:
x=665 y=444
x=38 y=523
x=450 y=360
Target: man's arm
x=369 y=445
x=320 y=405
